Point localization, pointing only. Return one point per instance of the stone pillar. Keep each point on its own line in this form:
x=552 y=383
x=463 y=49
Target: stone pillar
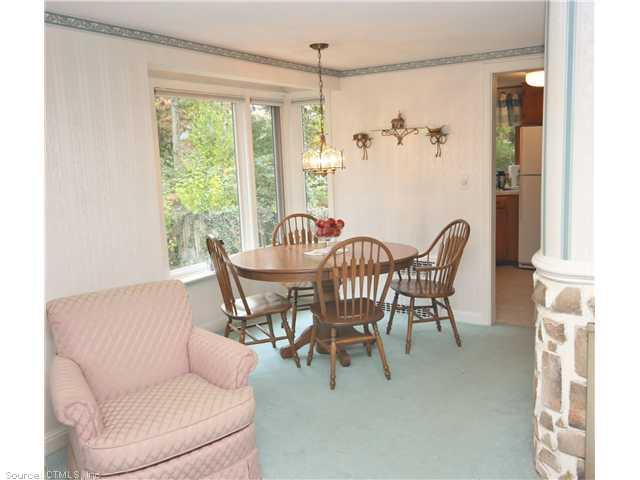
x=563 y=281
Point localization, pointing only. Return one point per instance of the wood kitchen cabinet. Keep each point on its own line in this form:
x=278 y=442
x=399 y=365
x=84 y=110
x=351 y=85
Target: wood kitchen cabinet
x=506 y=229
x=532 y=105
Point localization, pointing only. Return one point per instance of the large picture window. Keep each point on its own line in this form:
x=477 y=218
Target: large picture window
x=316 y=187
x=199 y=176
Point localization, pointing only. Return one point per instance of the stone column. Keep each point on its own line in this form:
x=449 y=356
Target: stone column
x=563 y=281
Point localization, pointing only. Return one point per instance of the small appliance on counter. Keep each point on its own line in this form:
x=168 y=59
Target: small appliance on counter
x=513 y=171
x=501 y=180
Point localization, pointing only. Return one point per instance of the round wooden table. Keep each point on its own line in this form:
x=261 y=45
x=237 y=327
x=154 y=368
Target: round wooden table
x=288 y=263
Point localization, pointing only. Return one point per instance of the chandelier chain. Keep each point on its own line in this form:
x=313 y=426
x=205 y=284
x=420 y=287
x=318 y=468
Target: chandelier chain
x=321 y=95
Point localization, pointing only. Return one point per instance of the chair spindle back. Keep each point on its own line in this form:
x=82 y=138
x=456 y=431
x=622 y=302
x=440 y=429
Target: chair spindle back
x=355 y=276
x=447 y=248
x=227 y=276
x=295 y=229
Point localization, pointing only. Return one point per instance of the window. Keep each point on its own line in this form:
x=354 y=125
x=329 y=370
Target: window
x=265 y=131
x=199 y=176
x=505 y=147
x=316 y=188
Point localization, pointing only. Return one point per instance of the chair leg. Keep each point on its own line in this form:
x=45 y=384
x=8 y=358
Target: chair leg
x=332 y=378
x=393 y=312
x=227 y=327
x=273 y=335
x=294 y=315
x=453 y=322
x=287 y=330
x=312 y=345
x=407 y=348
x=383 y=356
x=367 y=344
x=434 y=305
x=243 y=328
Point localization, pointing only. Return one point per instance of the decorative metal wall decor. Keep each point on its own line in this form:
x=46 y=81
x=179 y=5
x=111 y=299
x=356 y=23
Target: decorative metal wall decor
x=398 y=129
x=363 y=140
x=437 y=137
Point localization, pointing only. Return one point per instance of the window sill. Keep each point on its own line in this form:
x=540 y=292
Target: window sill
x=192 y=276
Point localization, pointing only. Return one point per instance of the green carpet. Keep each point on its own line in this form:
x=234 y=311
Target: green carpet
x=447 y=412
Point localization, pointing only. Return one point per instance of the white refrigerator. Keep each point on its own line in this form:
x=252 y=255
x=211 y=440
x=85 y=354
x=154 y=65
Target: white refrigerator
x=530 y=153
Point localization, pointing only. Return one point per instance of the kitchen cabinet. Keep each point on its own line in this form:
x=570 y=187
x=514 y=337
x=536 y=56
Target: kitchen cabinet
x=506 y=229
x=532 y=105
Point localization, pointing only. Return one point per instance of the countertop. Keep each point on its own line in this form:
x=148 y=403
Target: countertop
x=515 y=191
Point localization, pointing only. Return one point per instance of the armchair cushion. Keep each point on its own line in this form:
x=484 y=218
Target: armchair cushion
x=73 y=401
x=163 y=421
x=221 y=361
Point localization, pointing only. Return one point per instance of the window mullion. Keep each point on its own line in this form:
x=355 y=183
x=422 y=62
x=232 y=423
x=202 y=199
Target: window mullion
x=246 y=176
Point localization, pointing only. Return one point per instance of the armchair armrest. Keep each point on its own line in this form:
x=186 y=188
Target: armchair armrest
x=219 y=360
x=73 y=400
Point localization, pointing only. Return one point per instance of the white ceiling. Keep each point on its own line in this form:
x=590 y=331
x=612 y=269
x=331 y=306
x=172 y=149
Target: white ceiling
x=361 y=34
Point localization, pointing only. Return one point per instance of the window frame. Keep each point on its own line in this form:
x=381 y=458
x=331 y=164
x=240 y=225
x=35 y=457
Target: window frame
x=241 y=99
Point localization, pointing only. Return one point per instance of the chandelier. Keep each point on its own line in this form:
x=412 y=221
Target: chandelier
x=323 y=158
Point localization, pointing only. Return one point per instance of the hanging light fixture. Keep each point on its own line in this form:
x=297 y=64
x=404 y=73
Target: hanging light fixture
x=535 y=79
x=323 y=158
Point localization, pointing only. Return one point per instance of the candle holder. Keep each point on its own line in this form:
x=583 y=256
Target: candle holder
x=437 y=137
x=363 y=141
x=399 y=129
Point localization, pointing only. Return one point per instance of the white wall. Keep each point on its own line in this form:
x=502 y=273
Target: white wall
x=403 y=193
x=103 y=212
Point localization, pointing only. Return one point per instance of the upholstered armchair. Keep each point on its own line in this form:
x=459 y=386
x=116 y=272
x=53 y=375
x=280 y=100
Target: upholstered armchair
x=148 y=395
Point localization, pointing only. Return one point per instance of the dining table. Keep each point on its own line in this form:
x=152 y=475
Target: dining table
x=290 y=264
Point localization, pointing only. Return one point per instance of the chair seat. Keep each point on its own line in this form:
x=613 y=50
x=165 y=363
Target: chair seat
x=353 y=308
x=260 y=304
x=163 y=421
x=298 y=285
x=412 y=287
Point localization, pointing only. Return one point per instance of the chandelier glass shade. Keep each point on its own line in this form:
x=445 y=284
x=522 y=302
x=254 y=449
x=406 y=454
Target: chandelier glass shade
x=322 y=158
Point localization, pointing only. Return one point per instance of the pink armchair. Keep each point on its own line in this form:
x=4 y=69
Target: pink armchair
x=146 y=393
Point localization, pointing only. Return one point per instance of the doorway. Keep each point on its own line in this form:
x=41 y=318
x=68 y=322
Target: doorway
x=517 y=161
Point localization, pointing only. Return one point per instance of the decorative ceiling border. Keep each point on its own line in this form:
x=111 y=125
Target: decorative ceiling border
x=435 y=62
x=165 y=40
x=134 y=34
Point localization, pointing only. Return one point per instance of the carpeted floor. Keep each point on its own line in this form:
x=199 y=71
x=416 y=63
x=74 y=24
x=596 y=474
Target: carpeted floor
x=447 y=412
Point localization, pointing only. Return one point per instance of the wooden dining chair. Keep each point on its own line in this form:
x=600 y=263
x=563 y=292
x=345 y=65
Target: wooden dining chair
x=434 y=281
x=242 y=311
x=296 y=229
x=352 y=296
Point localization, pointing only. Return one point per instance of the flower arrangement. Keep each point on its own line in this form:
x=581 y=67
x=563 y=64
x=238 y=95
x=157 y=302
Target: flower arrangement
x=329 y=227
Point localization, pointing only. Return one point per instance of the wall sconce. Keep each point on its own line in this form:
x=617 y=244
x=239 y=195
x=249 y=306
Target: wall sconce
x=437 y=137
x=398 y=129
x=363 y=141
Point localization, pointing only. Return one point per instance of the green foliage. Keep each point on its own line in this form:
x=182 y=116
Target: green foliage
x=197 y=151
x=505 y=147
x=265 y=171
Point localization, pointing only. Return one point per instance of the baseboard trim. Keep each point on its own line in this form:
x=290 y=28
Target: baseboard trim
x=472 y=318
x=55 y=440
